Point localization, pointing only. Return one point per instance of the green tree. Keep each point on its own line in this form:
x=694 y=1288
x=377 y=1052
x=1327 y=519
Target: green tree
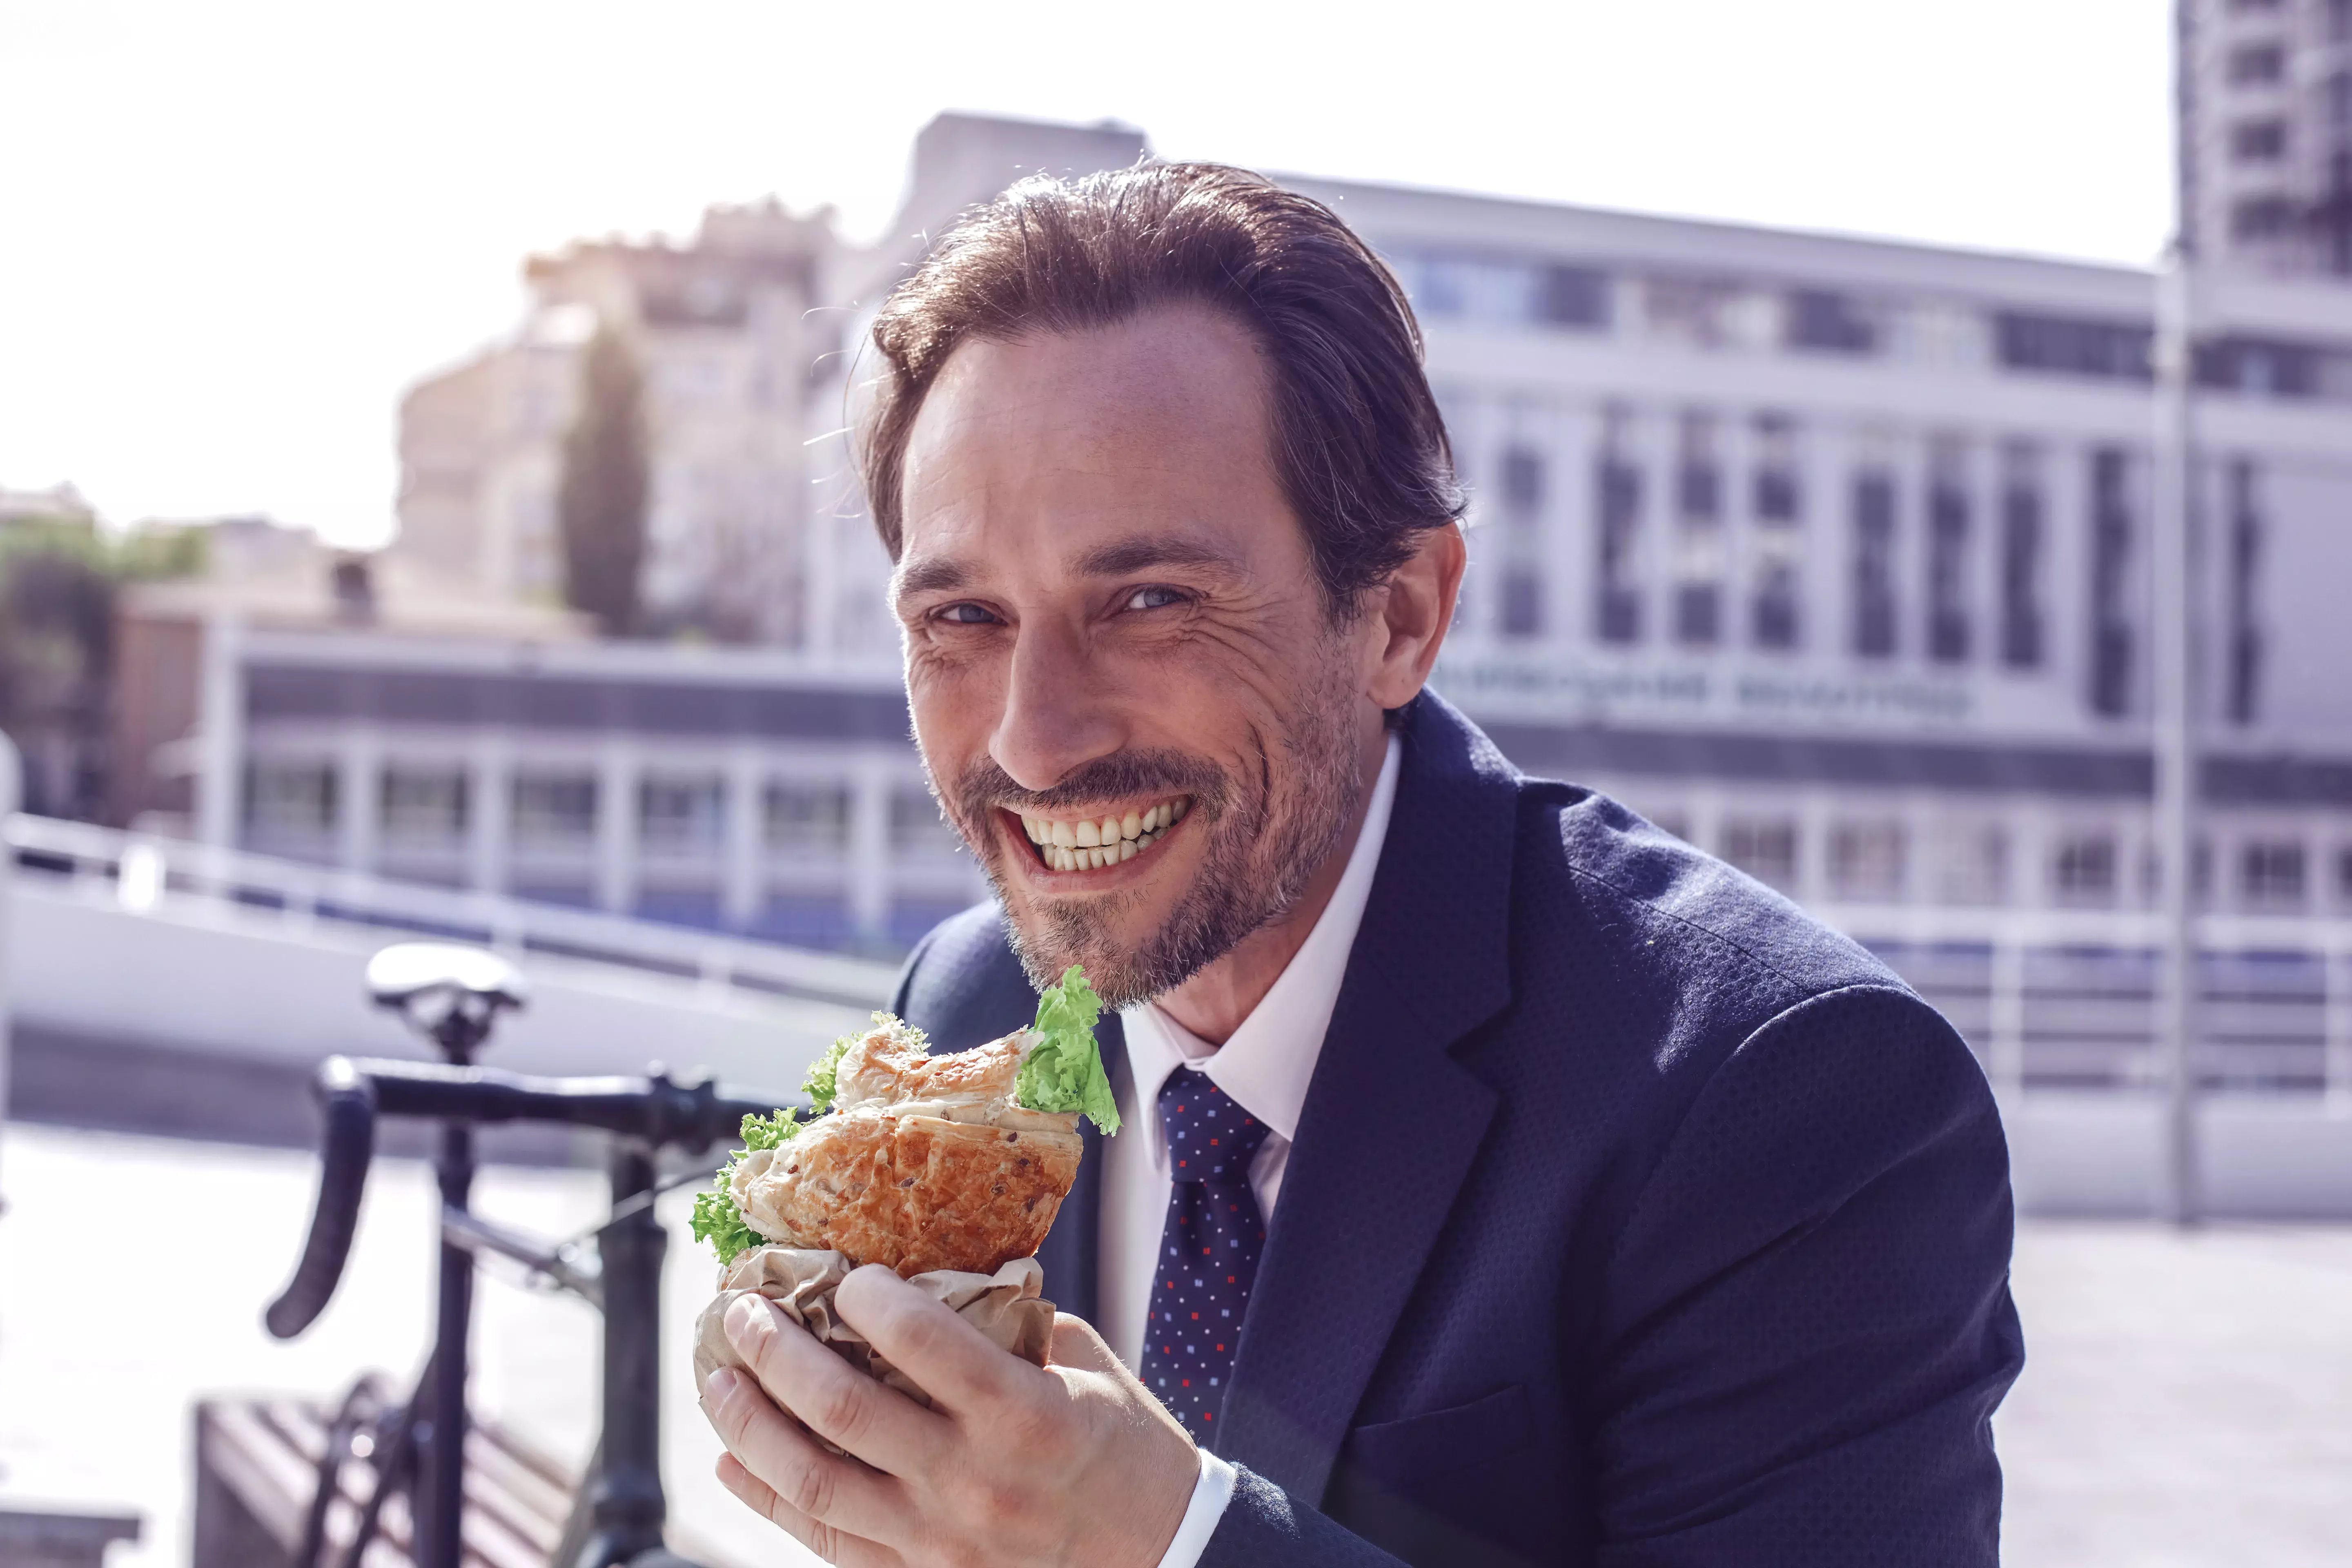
x=601 y=499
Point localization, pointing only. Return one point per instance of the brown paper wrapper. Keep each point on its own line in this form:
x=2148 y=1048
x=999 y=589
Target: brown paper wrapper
x=1005 y=1307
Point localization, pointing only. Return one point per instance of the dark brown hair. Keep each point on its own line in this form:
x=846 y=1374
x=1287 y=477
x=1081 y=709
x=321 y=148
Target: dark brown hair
x=1357 y=441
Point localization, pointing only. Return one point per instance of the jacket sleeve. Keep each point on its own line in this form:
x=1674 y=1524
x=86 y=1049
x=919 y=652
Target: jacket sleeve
x=1806 y=1323
x=1263 y=1527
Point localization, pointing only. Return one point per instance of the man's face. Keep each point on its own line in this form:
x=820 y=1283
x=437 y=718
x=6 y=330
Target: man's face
x=1125 y=685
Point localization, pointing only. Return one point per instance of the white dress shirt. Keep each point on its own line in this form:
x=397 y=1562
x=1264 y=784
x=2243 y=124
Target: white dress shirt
x=1265 y=1067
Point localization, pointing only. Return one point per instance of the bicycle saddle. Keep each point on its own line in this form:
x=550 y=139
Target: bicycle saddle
x=408 y=971
x=450 y=994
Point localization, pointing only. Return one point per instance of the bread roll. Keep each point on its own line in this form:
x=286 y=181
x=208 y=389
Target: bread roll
x=924 y=1162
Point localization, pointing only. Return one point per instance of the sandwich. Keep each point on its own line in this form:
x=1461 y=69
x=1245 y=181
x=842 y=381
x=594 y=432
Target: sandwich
x=916 y=1161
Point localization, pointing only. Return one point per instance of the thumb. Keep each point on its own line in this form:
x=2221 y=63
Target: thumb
x=1077 y=1346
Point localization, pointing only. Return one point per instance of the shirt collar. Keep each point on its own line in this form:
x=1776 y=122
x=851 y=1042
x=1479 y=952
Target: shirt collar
x=1267 y=1064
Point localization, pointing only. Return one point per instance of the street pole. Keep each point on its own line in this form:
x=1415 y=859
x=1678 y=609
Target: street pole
x=12 y=789
x=2173 y=647
x=2172 y=546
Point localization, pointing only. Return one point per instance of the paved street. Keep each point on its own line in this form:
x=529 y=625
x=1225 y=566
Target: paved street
x=2188 y=1401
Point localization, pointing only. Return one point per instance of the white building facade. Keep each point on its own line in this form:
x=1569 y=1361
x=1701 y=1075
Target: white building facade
x=1828 y=554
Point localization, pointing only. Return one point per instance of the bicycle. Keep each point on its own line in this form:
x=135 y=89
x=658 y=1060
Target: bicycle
x=454 y=996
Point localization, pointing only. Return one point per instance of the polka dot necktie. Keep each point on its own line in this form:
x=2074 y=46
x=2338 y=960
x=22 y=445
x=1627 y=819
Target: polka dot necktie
x=1208 y=1250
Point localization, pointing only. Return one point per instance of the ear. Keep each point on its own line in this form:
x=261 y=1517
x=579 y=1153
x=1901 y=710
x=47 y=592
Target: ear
x=1411 y=617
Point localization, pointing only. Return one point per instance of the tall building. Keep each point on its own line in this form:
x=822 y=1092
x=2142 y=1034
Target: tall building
x=726 y=330
x=2267 y=133
x=736 y=333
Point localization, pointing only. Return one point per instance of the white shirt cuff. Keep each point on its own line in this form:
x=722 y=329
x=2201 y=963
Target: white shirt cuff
x=1210 y=1493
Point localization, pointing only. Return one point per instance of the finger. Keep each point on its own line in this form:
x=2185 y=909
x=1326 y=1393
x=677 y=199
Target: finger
x=827 y=1487
x=861 y=1414
x=947 y=1358
x=835 y=1546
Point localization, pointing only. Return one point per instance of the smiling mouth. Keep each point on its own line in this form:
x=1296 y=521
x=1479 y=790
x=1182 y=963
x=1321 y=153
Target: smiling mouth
x=1091 y=844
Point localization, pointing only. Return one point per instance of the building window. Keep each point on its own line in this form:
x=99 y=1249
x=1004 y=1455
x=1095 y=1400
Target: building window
x=808 y=818
x=2258 y=140
x=2243 y=632
x=1778 y=539
x=423 y=805
x=1522 y=584
x=1522 y=603
x=681 y=814
x=2344 y=874
x=1618 y=608
x=2072 y=347
x=552 y=808
x=2084 y=869
x=1866 y=859
x=2262 y=217
x=1832 y=324
x=916 y=825
x=2257 y=65
x=1573 y=297
x=1763 y=846
x=1948 y=626
x=1698 y=534
x=1874 y=564
x=1972 y=863
x=1691 y=311
x=2263 y=368
x=2020 y=557
x=2271 y=872
x=2111 y=623
x=289 y=798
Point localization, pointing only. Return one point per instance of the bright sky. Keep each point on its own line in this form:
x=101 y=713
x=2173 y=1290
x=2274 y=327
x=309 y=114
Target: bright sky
x=236 y=230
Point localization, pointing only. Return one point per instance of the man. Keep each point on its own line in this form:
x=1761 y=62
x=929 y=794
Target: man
x=1502 y=1182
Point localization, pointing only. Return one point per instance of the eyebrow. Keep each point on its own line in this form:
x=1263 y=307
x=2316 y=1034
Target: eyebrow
x=1125 y=557
x=941 y=574
x=1120 y=558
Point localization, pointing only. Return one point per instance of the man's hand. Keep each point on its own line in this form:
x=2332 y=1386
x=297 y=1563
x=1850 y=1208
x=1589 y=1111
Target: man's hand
x=1075 y=1464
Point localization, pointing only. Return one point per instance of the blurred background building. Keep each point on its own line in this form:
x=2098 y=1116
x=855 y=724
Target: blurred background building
x=1830 y=554
x=2266 y=132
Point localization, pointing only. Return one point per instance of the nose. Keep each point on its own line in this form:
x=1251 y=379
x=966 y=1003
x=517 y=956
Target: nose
x=1058 y=713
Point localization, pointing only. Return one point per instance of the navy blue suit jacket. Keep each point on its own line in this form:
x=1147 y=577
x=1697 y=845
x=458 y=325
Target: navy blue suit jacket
x=1634 y=1218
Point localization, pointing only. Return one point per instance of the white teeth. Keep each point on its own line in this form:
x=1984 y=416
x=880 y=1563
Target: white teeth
x=1112 y=841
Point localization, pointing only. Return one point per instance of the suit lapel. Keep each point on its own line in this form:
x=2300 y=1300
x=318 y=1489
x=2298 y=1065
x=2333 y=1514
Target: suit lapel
x=1358 y=1215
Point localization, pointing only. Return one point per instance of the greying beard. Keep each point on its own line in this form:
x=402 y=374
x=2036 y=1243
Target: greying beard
x=1266 y=837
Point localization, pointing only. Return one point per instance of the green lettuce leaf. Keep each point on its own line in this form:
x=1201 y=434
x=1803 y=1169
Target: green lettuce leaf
x=716 y=1219
x=1065 y=1072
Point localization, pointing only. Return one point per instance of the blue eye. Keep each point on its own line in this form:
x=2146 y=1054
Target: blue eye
x=1153 y=599
x=967 y=615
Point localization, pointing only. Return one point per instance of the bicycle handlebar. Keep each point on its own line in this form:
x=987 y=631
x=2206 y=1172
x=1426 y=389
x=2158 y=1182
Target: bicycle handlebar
x=347 y=1101
x=351 y=1094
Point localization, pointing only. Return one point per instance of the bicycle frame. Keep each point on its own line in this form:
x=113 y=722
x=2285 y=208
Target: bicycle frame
x=625 y=1502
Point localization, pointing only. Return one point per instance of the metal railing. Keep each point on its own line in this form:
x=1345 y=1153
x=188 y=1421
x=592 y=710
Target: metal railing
x=142 y=874
x=2068 y=998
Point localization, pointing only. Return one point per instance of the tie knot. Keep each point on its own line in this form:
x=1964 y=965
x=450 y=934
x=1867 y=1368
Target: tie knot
x=1210 y=1137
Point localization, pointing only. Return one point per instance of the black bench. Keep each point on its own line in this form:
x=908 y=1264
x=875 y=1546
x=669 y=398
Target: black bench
x=257 y=1467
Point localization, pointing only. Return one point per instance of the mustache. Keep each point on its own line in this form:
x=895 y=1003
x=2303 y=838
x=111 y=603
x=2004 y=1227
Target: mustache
x=982 y=784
